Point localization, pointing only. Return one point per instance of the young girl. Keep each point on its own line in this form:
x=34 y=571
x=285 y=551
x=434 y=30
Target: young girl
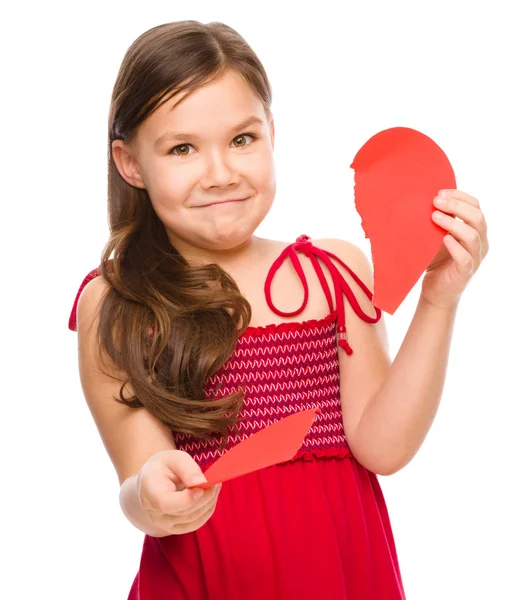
x=165 y=324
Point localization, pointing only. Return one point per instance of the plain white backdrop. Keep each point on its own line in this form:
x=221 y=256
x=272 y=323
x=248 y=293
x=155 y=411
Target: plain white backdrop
x=340 y=72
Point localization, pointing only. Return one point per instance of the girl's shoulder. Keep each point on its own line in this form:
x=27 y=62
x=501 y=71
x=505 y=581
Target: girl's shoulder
x=337 y=249
x=96 y=284
x=288 y=277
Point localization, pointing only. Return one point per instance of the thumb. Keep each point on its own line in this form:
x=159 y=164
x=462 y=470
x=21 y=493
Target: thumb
x=184 y=467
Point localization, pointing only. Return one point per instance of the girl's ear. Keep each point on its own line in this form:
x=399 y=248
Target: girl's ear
x=126 y=164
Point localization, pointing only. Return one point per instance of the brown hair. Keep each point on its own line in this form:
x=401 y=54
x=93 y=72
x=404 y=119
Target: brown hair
x=191 y=312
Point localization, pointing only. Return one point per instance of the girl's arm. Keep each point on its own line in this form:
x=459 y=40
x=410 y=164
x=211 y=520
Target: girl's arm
x=393 y=406
x=130 y=436
x=397 y=418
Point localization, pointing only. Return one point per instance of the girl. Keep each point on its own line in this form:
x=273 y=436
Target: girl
x=166 y=325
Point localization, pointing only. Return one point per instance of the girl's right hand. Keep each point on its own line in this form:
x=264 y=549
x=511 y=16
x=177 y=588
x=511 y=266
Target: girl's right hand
x=161 y=485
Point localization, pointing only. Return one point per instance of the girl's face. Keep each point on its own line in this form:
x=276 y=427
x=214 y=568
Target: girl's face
x=203 y=152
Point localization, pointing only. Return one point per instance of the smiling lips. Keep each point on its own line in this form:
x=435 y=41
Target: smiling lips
x=224 y=202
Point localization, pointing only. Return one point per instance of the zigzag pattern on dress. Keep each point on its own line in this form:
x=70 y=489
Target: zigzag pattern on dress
x=283 y=368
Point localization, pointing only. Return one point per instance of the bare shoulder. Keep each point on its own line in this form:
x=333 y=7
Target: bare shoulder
x=94 y=289
x=89 y=303
x=350 y=254
x=357 y=261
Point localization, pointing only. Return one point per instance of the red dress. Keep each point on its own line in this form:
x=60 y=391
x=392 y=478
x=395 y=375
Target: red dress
x=315 y=526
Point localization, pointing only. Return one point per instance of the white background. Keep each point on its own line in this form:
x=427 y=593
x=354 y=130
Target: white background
x=340 y=72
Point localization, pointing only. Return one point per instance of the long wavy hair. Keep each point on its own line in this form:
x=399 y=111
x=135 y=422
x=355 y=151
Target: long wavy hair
x=167 y=324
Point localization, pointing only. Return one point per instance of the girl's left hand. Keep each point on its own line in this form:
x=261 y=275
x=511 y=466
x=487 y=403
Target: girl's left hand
x=462 y=251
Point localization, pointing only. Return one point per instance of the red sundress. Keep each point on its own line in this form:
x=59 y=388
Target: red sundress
x=315 y=526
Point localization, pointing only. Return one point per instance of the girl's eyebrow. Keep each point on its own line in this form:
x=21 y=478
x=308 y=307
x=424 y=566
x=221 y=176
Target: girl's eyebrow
x=177 y=135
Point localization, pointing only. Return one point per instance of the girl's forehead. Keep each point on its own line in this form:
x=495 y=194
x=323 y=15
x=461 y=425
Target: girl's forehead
x=201 y=120
x=224 y=96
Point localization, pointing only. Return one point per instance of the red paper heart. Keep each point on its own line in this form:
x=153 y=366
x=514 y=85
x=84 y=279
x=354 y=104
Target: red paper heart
x=271 y=445
x=398 y=172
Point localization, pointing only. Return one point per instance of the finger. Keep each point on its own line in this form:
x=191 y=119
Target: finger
x=469 y=237
x=459 y=195
x=170 y=467
x=180 y=528
x=462 y=259
x=184 y=501
x=161 y=495
x=189 y=517
x=172 y=522
x=182 y=469
x=209 y=494
x=464 y=211
x=184 y=466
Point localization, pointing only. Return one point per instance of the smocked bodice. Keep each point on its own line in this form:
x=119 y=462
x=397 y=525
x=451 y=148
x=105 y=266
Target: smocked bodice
x=284 y=368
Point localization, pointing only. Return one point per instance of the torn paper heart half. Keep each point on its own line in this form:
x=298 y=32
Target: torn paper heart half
x=271 y=445
x=397 y=174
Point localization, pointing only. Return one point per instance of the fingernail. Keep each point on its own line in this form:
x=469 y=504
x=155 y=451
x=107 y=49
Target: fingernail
x=439 y=201
x=197 y=494
x=198 y=479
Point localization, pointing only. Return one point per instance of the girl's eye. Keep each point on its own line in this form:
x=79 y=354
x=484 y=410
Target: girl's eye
x=187 y=154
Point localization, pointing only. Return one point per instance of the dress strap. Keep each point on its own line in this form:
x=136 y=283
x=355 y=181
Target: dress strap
x=72 y=321
x=303 y=244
